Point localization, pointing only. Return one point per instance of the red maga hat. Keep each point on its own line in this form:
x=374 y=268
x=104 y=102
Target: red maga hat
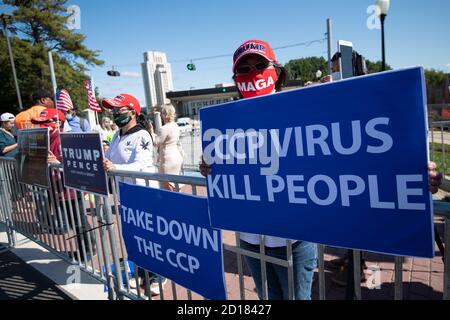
x=123 y=100
x=258 y=47
x=49 y=114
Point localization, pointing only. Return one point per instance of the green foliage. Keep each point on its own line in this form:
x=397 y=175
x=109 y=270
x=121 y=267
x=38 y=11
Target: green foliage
x=435 y=78
x=374 y=67
x=38 y=26
x=440 y=155
x=305 y=68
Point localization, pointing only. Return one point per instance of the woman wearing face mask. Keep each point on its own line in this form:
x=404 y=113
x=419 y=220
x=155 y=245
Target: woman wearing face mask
x=131 y=149
x=257 y=73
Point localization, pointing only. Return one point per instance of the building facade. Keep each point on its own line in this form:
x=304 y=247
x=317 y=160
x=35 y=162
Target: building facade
x=189 y=102
x=157 y=76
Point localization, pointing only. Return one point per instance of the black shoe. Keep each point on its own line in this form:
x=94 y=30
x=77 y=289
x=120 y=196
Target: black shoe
x=337 y=264
x=341 y=277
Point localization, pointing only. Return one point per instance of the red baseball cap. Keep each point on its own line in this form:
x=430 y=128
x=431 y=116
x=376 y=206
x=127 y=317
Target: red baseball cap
x=123 y=100
x=49 y=114
x=258 y=47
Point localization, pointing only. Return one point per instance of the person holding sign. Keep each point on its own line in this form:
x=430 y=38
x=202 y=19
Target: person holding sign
x=131 y=148
x=257 y=73
x=52 y=119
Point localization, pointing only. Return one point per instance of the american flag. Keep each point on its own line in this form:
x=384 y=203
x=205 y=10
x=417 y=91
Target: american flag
x=92 y=101
x=63 y=101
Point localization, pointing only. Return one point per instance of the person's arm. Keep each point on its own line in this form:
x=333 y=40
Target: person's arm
x=435 y=178
x=9 y=148
x=52 y=159
x=87 y=126
x=5 y=146
x=162 y=137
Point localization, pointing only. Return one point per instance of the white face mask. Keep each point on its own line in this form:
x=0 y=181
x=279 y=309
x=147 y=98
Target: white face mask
x=69 y=117
x=336 y=76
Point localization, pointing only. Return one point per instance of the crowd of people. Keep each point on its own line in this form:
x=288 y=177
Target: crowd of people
x=130 y=140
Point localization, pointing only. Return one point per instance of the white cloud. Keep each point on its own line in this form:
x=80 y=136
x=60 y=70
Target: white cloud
x=448 y=65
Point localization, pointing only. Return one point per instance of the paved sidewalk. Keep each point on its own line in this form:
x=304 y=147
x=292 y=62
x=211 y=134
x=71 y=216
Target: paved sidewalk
x=19 y=281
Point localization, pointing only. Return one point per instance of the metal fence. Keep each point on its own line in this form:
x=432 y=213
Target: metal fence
x=85 y=229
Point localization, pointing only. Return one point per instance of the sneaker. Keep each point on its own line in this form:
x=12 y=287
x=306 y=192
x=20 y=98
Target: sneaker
x=154 y=287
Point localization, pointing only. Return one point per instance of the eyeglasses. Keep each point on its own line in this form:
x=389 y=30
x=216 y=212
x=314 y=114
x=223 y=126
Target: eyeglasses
x=259 y=66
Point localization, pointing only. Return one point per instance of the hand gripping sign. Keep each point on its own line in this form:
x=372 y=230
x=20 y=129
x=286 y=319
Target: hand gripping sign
x=342 y=164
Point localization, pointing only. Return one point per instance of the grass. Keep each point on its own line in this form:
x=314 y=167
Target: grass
x=438 y=157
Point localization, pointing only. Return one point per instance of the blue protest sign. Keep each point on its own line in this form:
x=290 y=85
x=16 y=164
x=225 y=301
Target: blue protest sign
x=82 y=155
x=342 y=164
x=169 y=234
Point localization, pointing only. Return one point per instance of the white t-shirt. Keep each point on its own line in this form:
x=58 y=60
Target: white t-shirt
x=133 y=152
x=270 y=242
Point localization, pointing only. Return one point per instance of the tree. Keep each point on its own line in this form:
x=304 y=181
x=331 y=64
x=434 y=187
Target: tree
x=305 y=69
x=37 y=27
x=435 y=78
x=374 y=67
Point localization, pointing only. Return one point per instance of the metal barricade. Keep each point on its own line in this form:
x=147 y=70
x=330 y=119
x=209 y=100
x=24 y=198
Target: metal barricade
x=85 y=229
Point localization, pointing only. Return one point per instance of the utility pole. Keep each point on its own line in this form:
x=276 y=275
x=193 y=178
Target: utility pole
x=330 y=39
x=52 y=75
x=5 y=19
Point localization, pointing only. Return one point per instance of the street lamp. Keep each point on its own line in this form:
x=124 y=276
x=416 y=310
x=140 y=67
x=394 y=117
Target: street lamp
x=5 y=18
x=383 y=5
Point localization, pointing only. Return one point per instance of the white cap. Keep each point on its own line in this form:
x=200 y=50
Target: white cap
x=7 y=117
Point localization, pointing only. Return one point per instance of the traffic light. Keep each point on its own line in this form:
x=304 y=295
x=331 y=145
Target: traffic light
x=113 y=73
x=191 y=67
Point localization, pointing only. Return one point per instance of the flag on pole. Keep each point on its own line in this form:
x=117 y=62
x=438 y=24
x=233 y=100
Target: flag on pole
x=92 y=101
x=63 y=101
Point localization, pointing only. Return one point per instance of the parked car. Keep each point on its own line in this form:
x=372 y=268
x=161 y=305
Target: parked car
x=185 y=126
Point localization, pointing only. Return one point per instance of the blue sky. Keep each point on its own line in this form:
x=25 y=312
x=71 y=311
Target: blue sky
x=417 y=33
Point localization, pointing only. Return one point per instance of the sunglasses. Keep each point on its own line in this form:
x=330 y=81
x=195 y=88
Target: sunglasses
x=121 y=110
x=259 y=66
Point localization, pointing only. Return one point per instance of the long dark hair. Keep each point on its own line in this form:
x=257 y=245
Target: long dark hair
x=142 y=121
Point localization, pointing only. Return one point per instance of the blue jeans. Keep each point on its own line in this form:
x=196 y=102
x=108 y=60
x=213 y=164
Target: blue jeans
x=304 y=262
